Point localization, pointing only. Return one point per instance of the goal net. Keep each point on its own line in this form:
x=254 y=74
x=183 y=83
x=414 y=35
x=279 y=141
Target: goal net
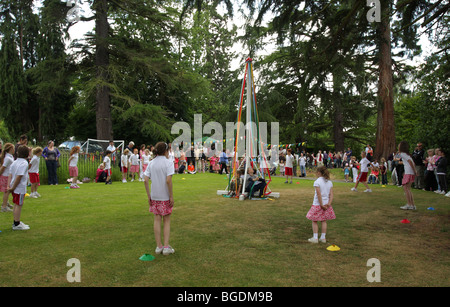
x=101 y=146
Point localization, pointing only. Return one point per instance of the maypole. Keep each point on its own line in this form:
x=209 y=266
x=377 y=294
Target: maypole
x=253 y=142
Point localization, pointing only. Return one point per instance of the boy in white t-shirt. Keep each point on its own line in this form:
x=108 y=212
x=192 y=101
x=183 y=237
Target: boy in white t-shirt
x=124 y=165
x=107 y=165
x=363 y=175
x=19 y=170
x=33 y=172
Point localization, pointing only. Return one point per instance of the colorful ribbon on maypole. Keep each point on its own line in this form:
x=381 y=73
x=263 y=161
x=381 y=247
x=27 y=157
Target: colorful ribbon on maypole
x=253 y=118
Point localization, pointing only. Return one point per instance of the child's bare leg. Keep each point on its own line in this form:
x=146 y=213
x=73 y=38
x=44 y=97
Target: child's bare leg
x=5 y=199
x=17 y=212
x=166 y=229
x=324 y=227
x=315 y=227
x=157 y=230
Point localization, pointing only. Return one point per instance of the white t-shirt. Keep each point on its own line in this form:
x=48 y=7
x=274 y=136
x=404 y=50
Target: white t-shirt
x=157 y=171
x=289 y=159
x=74 y=160
x=325 y=188
x=107 y=162
x=364 y=165
x=9 y=159
x=302 y=161
x=111 y=148
x=145 y=159
x=19 y=168
x=405 y=158
x=124 y=160
x=134 y=159
x=34 y=169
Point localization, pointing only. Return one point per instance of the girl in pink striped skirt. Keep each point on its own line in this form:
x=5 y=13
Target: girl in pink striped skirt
x=160 y=196
x=321 y=210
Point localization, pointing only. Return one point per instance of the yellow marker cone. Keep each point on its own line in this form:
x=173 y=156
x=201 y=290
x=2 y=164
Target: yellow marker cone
x=27 y=195
x=333 y=248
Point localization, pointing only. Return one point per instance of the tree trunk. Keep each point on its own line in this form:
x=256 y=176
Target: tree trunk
x=338 y=117
x=385 y=136
x=103 y=107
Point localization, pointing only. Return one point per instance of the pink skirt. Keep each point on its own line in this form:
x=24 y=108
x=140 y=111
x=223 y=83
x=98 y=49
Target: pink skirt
x=134 y=169
x=160 y=207
x=73 y=171
x=316 y=213
x=4 y=183
x=408 y=178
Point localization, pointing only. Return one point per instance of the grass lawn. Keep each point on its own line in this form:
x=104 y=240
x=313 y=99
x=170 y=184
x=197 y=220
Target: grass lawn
x=225 y=242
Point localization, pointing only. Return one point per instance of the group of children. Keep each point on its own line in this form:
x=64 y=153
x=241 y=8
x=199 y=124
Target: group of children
x=16 y=174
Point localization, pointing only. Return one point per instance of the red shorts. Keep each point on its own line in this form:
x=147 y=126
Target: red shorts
x=362 y=177
x=288 y=171
x=18 y=199
x=34 y=177
x=408 y=178
x=73 y=171
x=108 y=172
x=134 y=169
x=124 y=169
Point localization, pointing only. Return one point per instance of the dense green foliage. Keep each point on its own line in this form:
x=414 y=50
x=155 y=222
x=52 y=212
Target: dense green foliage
x=167 y=61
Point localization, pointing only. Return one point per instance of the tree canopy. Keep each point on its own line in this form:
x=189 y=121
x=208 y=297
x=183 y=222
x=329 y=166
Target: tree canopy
x=332 y=77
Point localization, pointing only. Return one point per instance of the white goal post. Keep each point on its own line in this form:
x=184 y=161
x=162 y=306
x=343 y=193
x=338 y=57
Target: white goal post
x=93 y=145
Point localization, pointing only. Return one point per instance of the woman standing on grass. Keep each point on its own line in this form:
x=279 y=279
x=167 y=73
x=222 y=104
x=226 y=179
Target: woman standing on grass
x=160 y=171
x=51 y=155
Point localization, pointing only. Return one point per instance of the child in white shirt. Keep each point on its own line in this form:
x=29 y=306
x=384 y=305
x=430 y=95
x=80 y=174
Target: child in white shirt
x=73 y=166
x=6 y=159
x=124 y=165
x=134 y=164
x=408 y=176
x=107 y=165
x=363 y=175
x=33 y=172
x=321 y=209
x=19 y=170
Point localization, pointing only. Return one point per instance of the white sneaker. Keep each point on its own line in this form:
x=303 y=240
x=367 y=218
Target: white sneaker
x=408 y=207
x=442 y=193
x=312 y=240
x=159 y=250
x=323 y=240
x=6 y=209
x=437 y=191
x=132 y=180
x=21 y=226
x=37 y=194
x=354 y=190
x=168 y=250
x=368 y=190
x=32 y=195
x=124 y=181
x=448 y=194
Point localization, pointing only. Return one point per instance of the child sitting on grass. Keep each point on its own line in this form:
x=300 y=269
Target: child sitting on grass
x=191 y=168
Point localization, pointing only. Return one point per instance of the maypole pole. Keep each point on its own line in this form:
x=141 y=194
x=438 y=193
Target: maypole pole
x=248 y=135
x=251 y=149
